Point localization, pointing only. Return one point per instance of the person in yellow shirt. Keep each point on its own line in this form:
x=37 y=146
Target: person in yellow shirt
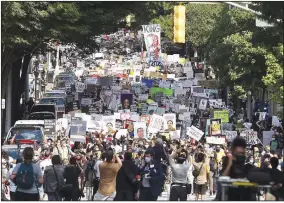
x=220 y=154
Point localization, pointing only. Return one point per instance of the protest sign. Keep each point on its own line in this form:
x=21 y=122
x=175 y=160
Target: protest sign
x=215 y=127
x=108 y=124
x=262 y=116
x=203 y=104
x=93 y=126
x=223 y=115
x=126 y=100
x=140 y=130
x=86 y=101
x=79 y=86
x=175 y=134
x=133 y=108
x=275 y=121
x=50 y=127
x=267 y=138
x=145 y=118
x=78 y=127
x=156 y=124
x=118 y=124
x=216 y=140
x=194 y=133
x=227 y=126
x=120 y=133
x=152 y=38
x=250 y=137
x=170 y=123
x=230 y=135
x=125 y=116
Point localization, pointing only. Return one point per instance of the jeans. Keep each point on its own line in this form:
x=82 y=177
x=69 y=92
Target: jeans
x=100 y=197
x=53 y=197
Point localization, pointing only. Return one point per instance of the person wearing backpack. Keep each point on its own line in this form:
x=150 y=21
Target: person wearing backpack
x=28 y=178
x=213 y=168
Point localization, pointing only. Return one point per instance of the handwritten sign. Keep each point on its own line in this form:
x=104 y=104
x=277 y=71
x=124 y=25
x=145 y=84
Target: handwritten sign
x=230 y=135
x=194 y=133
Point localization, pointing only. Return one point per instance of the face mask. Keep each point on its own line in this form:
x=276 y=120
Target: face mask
x=273 y=138
x=147 y=159
x=251 y=161
x=48 y=143
x=164 y=145
x=240 y=159
x=217 y=150
x=146 y=146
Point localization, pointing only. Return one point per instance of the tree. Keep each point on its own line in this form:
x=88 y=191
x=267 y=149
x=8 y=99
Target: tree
x=27 y=26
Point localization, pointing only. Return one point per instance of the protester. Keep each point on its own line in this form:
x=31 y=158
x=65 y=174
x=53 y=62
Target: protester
x=53 y=179
x=12 y=186
x=72 y=173
x=28 y=178
x=179 y=175
x=126 y=182
x=108 y=171
x=152 y=178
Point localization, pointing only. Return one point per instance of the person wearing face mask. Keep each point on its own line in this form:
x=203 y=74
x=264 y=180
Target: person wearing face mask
x=236 y=168
x=152 y=178
x=179 y=170
x=274 y=144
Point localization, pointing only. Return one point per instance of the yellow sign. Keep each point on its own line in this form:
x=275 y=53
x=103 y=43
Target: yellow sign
x=223 y=115
x=182 y=61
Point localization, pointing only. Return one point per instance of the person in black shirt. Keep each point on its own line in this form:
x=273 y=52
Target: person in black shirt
x=237 y=168
x=71 y=173
x=277 y=177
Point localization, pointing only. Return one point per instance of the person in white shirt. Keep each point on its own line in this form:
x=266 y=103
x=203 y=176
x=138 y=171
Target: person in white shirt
x=12 y=185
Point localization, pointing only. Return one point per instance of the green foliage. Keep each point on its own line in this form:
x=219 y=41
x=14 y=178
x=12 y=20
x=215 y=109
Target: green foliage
x=274 y=76
x=200 y=21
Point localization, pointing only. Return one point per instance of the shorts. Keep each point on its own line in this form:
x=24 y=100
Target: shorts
x=201 y=189
x=100 y=197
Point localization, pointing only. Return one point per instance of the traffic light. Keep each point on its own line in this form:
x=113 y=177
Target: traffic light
x=179 y=24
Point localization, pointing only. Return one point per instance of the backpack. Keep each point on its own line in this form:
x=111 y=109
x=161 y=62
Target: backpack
x=25 y=176
x=212 y=166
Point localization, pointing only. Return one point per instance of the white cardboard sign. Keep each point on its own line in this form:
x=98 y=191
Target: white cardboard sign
x=194 y=133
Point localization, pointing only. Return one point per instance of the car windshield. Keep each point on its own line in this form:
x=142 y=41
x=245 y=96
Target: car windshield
x=26 y=134
x=43 y=107
x=57 y=101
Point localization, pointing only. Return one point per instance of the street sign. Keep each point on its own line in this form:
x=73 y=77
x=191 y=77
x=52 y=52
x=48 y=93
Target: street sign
x=3 y=102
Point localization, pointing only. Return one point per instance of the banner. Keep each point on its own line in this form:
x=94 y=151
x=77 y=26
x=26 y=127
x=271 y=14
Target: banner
x=230 y=135
x=152 y=38
x=223 y=115
x=250 y=137
x=194 y=133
